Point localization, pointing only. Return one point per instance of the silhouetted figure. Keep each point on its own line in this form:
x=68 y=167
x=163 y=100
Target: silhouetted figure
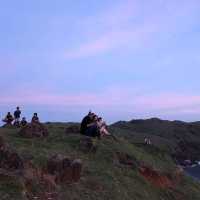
x=35 y=118
x=17 y=114
x=86 y=120
x=8 y=119
x=23 y=122
x=102 y=127
x=89 y=125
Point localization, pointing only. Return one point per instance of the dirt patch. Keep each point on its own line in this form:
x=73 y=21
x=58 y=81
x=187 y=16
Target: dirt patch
x=157 y=178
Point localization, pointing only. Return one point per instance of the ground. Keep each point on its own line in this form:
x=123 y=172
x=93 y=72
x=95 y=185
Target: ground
x=102 y=177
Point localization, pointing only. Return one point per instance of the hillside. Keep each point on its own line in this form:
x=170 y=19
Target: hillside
x=119 y=168
x=180 y=139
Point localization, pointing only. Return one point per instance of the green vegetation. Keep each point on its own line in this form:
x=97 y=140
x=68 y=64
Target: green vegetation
x=101 y=178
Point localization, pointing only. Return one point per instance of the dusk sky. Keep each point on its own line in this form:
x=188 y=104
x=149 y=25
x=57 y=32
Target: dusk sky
x=124 y=59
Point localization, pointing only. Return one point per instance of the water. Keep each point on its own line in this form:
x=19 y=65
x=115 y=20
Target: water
x=194 y=172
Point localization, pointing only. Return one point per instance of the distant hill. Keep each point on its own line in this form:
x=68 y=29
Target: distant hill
x=181 y=139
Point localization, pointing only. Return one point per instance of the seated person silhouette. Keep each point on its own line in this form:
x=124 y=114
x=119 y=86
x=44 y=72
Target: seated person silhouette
x=23 y=122
x=8 y=119
x=35 y=118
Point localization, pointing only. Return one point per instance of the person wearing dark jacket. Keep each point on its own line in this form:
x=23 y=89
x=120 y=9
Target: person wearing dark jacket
x=17 y=114
x=89 y=126
x=86 y=120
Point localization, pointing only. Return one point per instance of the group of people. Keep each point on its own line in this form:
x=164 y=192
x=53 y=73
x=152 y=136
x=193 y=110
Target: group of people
x=16 y=120
x=93 y=126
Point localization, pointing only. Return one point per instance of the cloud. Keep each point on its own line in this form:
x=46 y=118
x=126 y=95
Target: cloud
x=115 y=98
x=109 y=41
x=133 y=24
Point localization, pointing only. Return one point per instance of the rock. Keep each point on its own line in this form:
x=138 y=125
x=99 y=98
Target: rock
x=34 y=130
x=125 y=159
x=87 y=145
x=76 y=170
x=71 y=172
x=73 y=129
x=9 y=160
x=54 y=164
x=2 y=143
x=65 y=170
x=38 y=184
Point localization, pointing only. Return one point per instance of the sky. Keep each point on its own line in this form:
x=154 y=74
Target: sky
x=123 y=59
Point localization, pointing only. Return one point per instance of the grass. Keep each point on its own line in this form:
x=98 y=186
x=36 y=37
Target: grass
x=101 y=177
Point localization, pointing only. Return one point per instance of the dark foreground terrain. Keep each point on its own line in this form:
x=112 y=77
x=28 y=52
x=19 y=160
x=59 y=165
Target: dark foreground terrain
x=119 y=167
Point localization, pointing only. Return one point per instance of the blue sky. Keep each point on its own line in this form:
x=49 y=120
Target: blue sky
x=123 y=59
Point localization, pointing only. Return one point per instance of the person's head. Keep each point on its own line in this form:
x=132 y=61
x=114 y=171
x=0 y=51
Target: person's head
x=91 y=115
x=8 y=113
x=17 y=108
x=100 y=119
x=23 y=118
x=35 y=114
x=95 y=118
x=90 y=112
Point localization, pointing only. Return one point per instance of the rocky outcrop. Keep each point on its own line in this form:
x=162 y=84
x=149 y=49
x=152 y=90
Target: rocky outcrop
x=9 y=159
x=64 y=169
x=34 y=130
x=159 y=179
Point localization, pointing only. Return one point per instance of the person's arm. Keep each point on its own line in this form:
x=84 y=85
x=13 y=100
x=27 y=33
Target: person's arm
x=91 y=124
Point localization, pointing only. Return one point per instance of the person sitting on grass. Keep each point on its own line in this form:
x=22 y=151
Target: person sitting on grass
x=8 y=119
x=86 y=120
x=35 y=118
x=89 y=125
x=23 y=122
x=102 y=127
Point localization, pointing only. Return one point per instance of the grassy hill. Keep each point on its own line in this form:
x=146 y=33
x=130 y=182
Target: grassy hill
x=103 y=176
x=180 y=139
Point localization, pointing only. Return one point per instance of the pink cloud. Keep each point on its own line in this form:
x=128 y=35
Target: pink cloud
x=114 y=98
x=133 y=25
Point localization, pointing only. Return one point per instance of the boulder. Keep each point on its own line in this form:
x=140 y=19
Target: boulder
x=9 y=160
x=87 y=145
x=34 y=130
x=54 y=164
x=64 y=169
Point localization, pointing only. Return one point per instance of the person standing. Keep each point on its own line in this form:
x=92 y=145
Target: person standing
x=17 y=114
